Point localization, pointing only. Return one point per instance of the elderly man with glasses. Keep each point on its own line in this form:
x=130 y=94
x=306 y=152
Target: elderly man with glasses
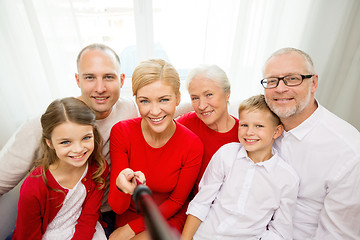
x=321 y=147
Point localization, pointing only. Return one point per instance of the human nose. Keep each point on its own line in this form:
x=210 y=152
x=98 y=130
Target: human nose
x=77 y=147
x=250 y=131
x=281 y=87
x=100 y=86
x=202 y=104
x=155 y=109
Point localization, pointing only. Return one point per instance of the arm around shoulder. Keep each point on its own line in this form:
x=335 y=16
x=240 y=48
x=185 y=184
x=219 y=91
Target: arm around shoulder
x=19 y=153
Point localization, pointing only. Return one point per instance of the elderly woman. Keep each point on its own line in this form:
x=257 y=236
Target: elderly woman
x=209 y=90
x=154 y=147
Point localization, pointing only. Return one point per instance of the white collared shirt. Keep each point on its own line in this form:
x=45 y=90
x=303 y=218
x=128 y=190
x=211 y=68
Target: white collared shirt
x=238 y=198
x=325 y=152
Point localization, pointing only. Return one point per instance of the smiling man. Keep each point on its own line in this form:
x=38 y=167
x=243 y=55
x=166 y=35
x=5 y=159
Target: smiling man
x=322 y=148
x=100 y=80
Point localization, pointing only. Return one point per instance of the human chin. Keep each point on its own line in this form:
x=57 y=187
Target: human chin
x=284 y=112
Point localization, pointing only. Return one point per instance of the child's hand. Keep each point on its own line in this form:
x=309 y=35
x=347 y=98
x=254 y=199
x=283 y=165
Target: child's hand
x=127 y=180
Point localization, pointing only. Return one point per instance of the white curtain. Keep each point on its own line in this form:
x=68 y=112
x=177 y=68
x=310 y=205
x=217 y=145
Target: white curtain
x=40 y=39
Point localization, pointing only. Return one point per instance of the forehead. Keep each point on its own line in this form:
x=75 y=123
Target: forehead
x=71 y=130
x=285 y=64
x=97 y=58
x=201 y=84
x=155 y=89
x=256 y=115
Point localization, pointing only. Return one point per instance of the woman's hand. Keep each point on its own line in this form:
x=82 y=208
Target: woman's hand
x=122 y=233
x=126 y=180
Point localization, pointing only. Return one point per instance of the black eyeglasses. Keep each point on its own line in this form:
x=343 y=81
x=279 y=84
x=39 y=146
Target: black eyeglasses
x=290 y=80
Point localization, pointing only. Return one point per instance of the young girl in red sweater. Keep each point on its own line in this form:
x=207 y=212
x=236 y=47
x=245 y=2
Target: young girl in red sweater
x=61 y=197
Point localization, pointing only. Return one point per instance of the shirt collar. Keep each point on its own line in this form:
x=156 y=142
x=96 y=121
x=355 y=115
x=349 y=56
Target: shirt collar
x=269 y=164
x=305 y=127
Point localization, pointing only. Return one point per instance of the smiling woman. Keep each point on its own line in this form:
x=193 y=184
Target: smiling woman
x=40 y=40
x=148 y=147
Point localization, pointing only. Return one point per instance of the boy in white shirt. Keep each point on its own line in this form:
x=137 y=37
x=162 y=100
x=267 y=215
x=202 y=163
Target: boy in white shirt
x=247 y=190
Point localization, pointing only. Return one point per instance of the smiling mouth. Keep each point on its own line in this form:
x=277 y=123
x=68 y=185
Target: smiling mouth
x=79 y=156
x=157 y=119
x=100 y=98
x=207 y=113
x=283 y=99
x=250 y=140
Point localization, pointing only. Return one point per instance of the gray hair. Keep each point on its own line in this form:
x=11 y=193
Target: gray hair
x=308 y=60
x=211 y=72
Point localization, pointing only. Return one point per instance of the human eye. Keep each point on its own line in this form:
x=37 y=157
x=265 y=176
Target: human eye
x=243 y=125
x=65 y=142
x=164 y=100
x=194 y=98
x=110 y=77
x=143 y=101
x=271 y=81
x=259 y=126
x=88 y=77
x=293 y=78
x=87 y=137
x=209 y=94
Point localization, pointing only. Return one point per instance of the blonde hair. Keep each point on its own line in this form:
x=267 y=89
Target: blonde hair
x=258 y=103
x=69 y=110
x=154 y=70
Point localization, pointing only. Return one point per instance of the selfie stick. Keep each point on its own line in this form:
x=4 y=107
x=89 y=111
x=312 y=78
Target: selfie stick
x=155 y=222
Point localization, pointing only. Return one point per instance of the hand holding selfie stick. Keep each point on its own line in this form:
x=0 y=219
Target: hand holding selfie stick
x=155 y=222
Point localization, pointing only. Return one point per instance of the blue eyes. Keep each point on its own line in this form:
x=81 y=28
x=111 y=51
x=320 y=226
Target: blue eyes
x=87 y=137
x=197 y=98
x=245 y=125
x=67 y=142
x=107 y=77
x=161 y=100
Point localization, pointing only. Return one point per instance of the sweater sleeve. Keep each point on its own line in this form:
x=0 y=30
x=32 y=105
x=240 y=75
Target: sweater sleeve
x=29 y=218
x=118 y=201
x=90 y=213
x=17 y=156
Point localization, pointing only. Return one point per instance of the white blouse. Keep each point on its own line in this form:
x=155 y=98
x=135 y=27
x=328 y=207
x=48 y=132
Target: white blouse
x=63 y=225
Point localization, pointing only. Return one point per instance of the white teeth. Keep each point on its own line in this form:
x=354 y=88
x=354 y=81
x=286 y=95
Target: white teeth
x=77 y=157
x=157 y=119
x=250 y=140
x=100 y=98
x=205 y=114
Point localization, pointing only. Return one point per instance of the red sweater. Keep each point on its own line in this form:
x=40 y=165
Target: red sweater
x=211 y=139
x=38 y=205
x=170 y=170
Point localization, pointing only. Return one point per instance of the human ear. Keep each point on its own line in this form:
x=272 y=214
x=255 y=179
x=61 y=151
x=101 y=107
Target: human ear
x=315 y=80
x=278 y=131
x=178 y=99
x=77 y=79
x=48 y=142
x=227 y=95
x=122 y=79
